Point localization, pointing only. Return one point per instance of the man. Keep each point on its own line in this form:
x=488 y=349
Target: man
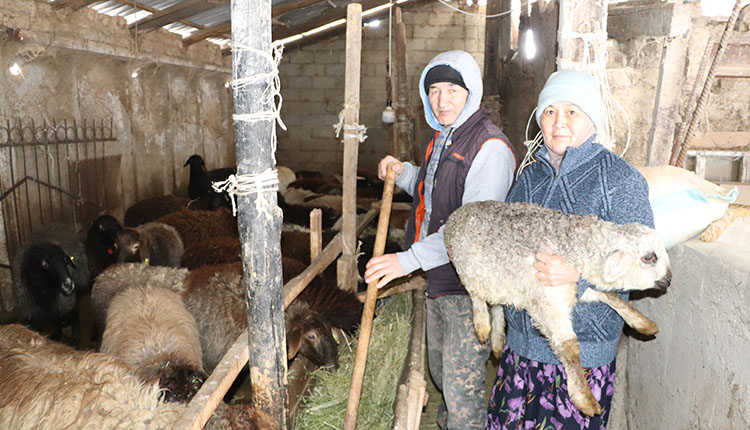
x=468 y=159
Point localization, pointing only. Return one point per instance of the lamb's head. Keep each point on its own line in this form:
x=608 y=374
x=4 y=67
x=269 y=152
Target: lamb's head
x=635 y=259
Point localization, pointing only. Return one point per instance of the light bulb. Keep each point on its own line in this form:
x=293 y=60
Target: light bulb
x=15 y=70
x=389 y=115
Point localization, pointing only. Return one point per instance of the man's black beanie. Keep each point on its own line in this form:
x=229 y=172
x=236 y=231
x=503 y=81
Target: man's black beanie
x=442 y=73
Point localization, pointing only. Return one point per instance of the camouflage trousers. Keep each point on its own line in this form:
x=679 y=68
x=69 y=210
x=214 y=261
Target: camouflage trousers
x=457 y=362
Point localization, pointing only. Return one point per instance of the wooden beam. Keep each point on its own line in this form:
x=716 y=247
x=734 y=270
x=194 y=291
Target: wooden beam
x=177 y=12
x=225 y=27
x=331 y=15
x=215 y=31
x=72 y=4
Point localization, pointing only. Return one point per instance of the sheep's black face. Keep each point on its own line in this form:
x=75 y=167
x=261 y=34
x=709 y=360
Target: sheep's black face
x=47 y=272
x=318 y=344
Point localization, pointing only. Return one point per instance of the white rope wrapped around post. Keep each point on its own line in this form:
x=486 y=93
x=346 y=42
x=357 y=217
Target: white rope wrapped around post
x=358 y=131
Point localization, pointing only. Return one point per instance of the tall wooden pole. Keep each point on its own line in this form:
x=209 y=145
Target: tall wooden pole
x=347 y=263
x=404 y=128
x=259 y=218
x=578 y=17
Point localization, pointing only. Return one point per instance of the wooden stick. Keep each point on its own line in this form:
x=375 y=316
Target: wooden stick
x=391 y=290
x=365 y=327
x=316 y=236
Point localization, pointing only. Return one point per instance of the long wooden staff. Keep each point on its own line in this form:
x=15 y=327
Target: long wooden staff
x=365 y=327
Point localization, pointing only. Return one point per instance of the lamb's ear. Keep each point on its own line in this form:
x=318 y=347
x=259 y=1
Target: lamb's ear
x=616 y=265
x=293 y=342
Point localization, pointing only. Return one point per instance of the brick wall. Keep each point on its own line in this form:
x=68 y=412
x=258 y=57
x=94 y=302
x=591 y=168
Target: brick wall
x=312 y=85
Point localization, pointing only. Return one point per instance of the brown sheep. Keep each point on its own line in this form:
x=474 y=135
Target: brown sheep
x=216 y=250
x=150 y=329
x=48 y=386
x=195 y=226
x=150 y=209
x=153 y=243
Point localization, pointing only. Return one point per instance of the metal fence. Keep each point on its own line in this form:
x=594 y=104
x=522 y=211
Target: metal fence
x=53 y=172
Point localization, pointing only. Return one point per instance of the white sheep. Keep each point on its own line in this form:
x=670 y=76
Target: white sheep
x=493 y=246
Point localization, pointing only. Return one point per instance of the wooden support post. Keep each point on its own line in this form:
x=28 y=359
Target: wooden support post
x=365 y=326
x=492 y=48
x=578 y=16
x=411 y=389
x=316 y=236
x=347 y=264
x=404 y=141
x=259 y=218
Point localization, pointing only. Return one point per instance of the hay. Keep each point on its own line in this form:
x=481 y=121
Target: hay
x=325 y=407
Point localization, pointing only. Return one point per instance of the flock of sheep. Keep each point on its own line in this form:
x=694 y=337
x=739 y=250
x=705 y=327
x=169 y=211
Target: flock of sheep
x=167 y=301
x=165 y=294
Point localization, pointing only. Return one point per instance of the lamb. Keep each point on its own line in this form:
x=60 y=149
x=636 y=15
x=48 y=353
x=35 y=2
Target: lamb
x=48 y=386
x=196 y=226
x=49 y=271
x=493 y=245
x=100 y=241
x=201 y=179
x=150 y=329
x=154 y=243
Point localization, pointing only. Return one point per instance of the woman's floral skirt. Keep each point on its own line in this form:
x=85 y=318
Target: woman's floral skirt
x=531 y=395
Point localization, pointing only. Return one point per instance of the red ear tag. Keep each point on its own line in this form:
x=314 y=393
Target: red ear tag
x=110 y=251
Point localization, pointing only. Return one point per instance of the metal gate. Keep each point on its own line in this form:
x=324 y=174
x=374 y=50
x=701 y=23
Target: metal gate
x=53 y=172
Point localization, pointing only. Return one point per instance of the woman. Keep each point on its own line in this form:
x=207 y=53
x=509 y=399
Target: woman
x=573 y=174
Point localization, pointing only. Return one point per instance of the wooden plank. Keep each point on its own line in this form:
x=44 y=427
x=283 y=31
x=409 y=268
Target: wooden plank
x=72 y=4
x=177 y=12
x=215 y=31
x=316 y=233
x=404 y=128
x=347 y=263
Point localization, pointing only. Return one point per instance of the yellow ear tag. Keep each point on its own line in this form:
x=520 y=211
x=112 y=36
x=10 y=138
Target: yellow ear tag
x=146 y=261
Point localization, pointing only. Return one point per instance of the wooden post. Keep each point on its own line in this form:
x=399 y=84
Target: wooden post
x=365 y=326
x=347 y=265
x=316 y=235
x=404 y=133
x=491 y=48
x=578 y=16
x=259 y=218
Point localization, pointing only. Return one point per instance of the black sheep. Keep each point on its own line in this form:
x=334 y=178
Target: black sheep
x=201 y=179
x=300 y=215
x=100 y=242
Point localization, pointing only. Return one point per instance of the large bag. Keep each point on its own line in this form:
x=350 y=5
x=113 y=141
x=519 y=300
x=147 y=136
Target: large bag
x=683 y=203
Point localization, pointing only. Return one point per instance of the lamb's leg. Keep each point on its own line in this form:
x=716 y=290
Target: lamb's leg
x=631 y=315
x=497 y=336
x=481 y=319
x=553 y=318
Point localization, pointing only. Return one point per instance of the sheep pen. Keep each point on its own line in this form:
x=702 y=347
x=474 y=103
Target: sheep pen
x=493 y=246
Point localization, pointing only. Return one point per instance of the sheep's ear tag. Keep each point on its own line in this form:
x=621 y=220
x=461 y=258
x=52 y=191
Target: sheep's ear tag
x=110 y=251
x=146 y=261
x=72 y=259
x=335 y=336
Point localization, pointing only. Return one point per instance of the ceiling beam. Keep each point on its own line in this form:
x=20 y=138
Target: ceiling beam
x=174 y=13
x=226 y=27
x=287 y=32
x=332 y=14
x=72 y=4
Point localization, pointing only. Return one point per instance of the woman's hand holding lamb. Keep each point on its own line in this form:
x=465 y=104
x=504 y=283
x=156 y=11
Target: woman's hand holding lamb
x=552 y=270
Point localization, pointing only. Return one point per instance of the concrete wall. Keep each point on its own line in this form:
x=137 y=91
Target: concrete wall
x=312 y=85
x=694 y=375
x=177 y=106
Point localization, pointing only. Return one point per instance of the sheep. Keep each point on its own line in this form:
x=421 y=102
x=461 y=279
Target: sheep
x=118 y=277
x=154 y=243
x=300 y=214
x=49 y=271
x=100 y=241
x=152 y=208
x=48 y=386
x=195 y=225
x=201 y=180
x=216 y=250
x=493 y=245
x=215 y=296
x=150 y=329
